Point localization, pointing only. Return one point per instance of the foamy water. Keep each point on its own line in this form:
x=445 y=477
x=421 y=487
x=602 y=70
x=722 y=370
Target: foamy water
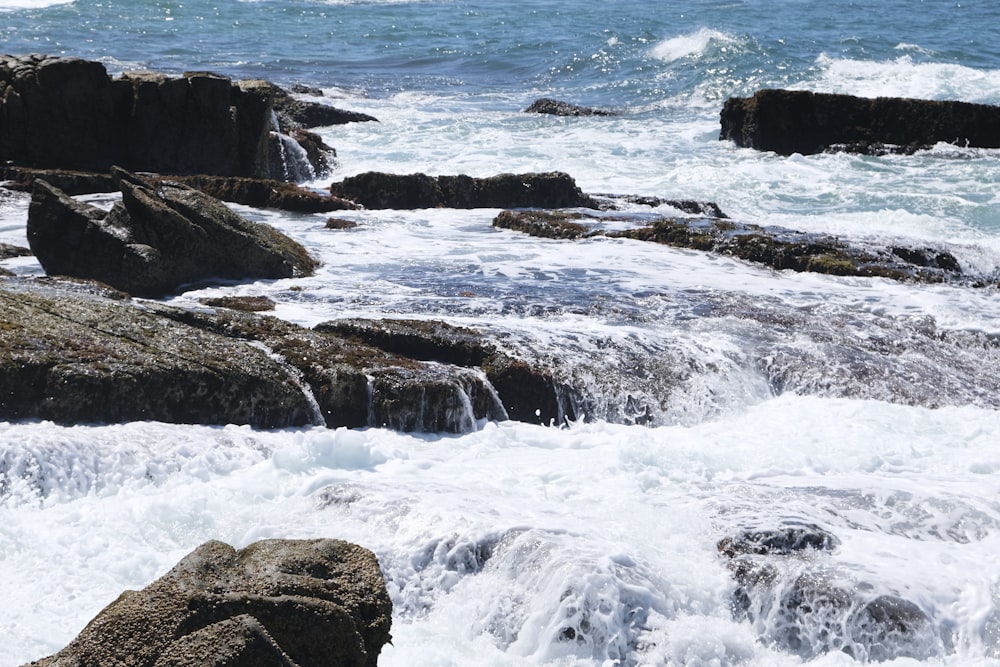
x=494 y=542
x=773 y=398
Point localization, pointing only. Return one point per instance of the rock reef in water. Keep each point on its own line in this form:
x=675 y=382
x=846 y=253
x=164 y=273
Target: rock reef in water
x=546 y=105
x=799 y=121
x=776 y=247
x=298 y=603
x=156 y=239
x=377 y=190
x=789 y=590
x=68 y=113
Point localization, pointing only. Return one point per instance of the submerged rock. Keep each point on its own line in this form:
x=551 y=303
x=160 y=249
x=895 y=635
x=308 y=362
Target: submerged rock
x=376 y=190
x=798 y=121
x=788 y=590
x=552 y=107
x=156 y=239
x=301 y=603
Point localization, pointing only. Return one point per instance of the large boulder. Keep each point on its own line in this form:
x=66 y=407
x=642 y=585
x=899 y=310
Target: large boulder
x=799 y=121
x=301 y=603
x=377 y=190
x=58 y=112
x=156 y=239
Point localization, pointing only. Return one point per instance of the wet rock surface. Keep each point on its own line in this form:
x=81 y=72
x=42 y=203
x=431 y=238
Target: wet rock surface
x=82 y=353
x=156 y=239
x=546 y=105
x=257 y=192
x=302 y=603
x=293 y=113
x=776 y=247
x=85 y=354
x=376 y=190
x=797 y=121
x=795 y=598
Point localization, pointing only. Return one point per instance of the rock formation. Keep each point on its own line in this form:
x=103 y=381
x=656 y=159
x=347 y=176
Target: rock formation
x=798 y=121
x=776 y=247
x=375 y=190
x=156 y=240
x=256 y=192
x=547 y=105
x=68 y=113
x=299 y=603
x=78 y=353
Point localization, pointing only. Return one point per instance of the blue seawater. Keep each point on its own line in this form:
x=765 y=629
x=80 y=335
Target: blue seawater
x=865 y=407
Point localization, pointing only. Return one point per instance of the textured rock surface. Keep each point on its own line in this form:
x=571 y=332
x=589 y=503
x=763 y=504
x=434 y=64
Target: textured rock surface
x=80 y=353
x=797 y=121
x=375 y=190
x=69 y=113
x=156 y=240
x=277 y=602
x=547 y=105
x=776 y=247
x=77 y=354
x=257 y=192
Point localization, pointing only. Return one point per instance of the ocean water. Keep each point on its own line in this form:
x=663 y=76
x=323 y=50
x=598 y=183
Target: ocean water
x=720 y=396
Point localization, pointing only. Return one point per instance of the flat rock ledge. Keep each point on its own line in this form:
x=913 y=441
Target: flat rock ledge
x=775 y=247
x=800 y=121
x=292 y=603
x=378 y=190
x=77 y=352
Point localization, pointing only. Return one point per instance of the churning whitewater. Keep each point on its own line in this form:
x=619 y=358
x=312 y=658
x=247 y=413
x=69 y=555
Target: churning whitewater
x=719 y=405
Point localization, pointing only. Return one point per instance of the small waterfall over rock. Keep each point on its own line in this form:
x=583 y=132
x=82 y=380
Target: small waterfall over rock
x=288 y=160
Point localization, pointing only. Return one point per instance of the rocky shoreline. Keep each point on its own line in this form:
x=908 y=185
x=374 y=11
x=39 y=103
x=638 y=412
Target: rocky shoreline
x=87 y=344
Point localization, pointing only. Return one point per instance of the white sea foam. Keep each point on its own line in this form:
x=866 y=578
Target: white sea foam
x=13 y=5
x=497 y=543
x=691 y=44
x=905 y=77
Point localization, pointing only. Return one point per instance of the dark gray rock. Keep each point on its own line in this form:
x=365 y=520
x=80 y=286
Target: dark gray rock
x=156 y=240
x=294 y=113
x=376 y=190
x=67 y=113
x=256 y=192
x=79 y=354
x=552 y=107
x=798 y=121
x=302 y=603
